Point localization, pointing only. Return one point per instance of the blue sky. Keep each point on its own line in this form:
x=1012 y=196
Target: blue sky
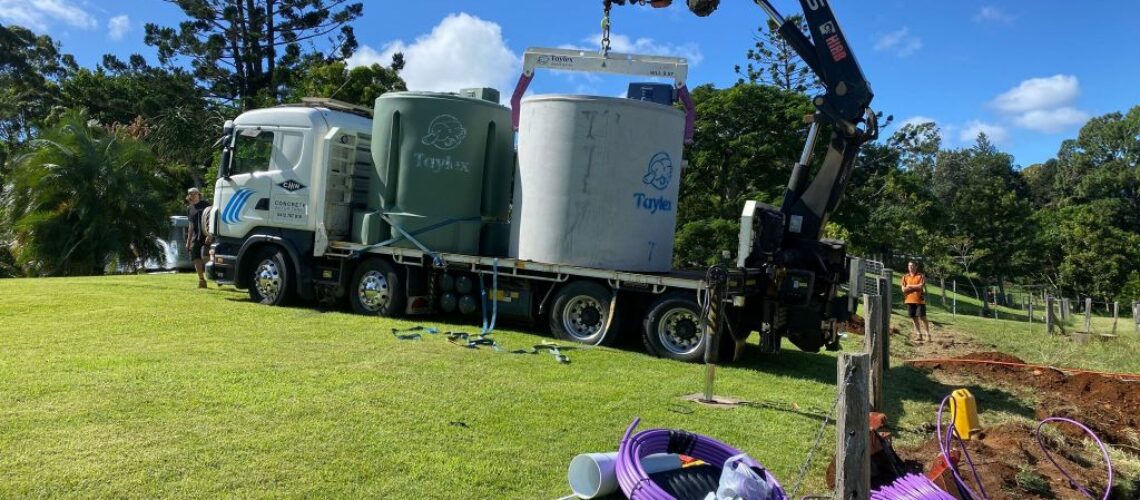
x=1029 y=73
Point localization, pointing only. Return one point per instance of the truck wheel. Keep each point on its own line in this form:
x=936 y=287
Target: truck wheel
x=672 y=329
x=271 y=281
x=376 y=289
x=581 y=314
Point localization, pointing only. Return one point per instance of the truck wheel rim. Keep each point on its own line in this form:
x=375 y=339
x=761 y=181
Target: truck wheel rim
x=268 y=279
x=583 y=318
x=677 y=331
x=373 y=290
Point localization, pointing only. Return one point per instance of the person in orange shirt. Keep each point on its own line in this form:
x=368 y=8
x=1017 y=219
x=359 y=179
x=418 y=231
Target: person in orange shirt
x=914 y=291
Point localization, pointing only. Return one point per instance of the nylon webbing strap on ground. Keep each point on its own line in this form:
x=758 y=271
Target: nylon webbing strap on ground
x=413 y=332
x=847 y=377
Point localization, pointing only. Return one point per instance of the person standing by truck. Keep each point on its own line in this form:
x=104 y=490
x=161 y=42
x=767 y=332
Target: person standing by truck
x=914 y=291
x=195 y=235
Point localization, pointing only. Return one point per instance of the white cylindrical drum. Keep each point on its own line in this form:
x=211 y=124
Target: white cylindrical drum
x=597 y=182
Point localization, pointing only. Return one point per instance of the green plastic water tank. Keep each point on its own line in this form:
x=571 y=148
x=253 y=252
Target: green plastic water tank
x=442 y=162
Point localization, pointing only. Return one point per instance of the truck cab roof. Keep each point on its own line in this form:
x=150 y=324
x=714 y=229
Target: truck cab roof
x=304 y=116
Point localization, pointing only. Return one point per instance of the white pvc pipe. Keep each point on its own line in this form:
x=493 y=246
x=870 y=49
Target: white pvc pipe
x=594 y=475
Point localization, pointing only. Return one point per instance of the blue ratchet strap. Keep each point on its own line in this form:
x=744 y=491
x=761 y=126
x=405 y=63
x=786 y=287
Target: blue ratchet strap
x=410 y=236
x=490 y=327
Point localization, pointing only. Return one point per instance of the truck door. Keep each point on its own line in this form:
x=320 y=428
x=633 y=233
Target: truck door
x=263 y=188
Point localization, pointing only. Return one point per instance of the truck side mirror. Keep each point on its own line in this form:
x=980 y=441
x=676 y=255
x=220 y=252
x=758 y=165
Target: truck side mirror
x=227 y=142
x=224 y=167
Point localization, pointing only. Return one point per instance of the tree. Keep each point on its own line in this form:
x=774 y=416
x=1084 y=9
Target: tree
x=246 y=50
x=987 y=204
x=775 y=62
x=1103 y=162
x=30 y=69
x=360 y=85
x=81 y=199
x=747 y=137
x=178 y=122
x=918 y=145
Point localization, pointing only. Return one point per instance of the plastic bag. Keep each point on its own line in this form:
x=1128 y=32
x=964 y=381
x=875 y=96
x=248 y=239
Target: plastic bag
x=739 y=481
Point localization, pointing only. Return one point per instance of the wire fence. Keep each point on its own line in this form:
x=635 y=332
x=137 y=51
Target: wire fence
x=1009 y=301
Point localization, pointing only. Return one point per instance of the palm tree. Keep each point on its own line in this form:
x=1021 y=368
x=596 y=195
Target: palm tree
x=84 y=197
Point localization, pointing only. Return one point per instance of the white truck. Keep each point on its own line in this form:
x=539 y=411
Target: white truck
x=290 y=187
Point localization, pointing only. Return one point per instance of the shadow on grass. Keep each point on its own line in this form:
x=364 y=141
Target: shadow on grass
x=906 y=383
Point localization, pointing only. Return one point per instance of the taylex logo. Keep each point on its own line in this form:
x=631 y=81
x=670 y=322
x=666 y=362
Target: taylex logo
x=545 y=60
x=291 y=185
x=232 y=213
x=660 y=171
x=445 y=132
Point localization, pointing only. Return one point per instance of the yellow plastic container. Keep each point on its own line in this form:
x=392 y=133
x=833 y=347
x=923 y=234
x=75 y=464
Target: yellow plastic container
x=965 y=412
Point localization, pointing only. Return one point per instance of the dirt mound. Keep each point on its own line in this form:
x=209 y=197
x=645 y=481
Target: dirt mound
x=1109 y=406
x=853 y=325
x=1000 y=357
x=1012 y=466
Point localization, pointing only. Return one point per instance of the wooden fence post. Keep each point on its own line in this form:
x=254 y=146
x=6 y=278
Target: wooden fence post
x=873 y=346
x=1049 y=319
x=954 y=311
x=1136 y=315
x=1115 y=315
x=943 y=286
x=1031 y=313
x=887 y=293
x=852 y=430
x=1088 y=314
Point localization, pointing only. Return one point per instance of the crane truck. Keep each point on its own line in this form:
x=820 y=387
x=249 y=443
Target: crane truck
x=292 y=179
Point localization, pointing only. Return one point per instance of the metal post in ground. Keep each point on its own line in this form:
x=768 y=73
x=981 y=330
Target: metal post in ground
x=954 y=311
x=855 y=281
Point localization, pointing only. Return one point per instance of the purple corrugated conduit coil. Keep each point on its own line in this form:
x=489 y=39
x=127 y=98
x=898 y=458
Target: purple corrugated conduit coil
x=1099 y=443
x=637 y=485
x=944 y=446
x=911 y=487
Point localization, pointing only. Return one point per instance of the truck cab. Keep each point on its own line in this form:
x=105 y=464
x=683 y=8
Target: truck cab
x=287 y=182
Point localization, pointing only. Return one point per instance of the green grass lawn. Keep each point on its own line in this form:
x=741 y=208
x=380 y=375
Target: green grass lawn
x=143 y=386
x=1012 y=333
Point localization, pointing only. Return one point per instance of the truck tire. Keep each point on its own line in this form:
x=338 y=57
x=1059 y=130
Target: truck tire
x=271 y=278
x=671 y=328
x=581 y=314
x=376 y=289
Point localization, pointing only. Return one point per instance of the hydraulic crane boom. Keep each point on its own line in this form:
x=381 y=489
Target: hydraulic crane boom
x=798 y=273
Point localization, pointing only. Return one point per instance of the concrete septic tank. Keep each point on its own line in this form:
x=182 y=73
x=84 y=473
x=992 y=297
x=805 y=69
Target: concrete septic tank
x=597 y=182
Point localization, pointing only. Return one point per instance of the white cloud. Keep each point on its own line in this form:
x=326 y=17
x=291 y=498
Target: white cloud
x=900 y=42
x=1039 y=93
x=1043 y=104
x=643 y=45
x=118 y=26
x=992 y=14
x=917 y=120
x=996 y=133
x=1051 y=121
x=462 y=51
x=38 y=14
